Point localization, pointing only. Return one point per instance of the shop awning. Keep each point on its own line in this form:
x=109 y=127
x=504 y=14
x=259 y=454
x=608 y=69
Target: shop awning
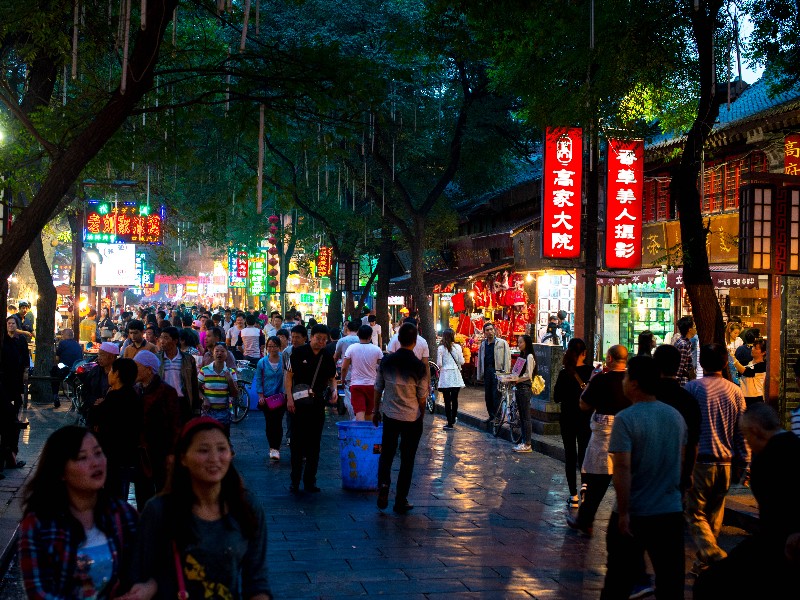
x=446 y=277
x=722 y=276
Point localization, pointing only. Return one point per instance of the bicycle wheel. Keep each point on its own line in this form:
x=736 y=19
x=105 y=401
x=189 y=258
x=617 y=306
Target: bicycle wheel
x=499 y=417
x=515 y=423
x=430 y=401
x=240 y=405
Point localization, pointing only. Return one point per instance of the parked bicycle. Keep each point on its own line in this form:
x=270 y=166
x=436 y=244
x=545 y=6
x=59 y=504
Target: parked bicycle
x=507 y=411
x=433 y=392
x=240 y=405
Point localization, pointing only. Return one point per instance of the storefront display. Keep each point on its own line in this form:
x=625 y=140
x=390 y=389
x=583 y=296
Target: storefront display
x=555 y=292
x=644 y=307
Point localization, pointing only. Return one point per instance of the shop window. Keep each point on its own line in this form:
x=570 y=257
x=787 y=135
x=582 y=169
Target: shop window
x=649 y=201
x=662 y=202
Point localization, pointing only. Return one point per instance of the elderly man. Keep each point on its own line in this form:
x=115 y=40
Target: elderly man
x=95 y=383
x=161 y=422
x=179 y=370
x=494 y=356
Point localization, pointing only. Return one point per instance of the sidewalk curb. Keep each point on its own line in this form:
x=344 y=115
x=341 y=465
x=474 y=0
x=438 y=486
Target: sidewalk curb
x=737 y=514
x=9 y=551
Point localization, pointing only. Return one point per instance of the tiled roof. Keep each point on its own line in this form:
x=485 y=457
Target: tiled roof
x=754 y=102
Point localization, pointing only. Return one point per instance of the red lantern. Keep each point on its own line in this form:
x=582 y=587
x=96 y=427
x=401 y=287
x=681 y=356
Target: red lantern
x=273 y=272
x=273 y=230
x=273 y=261
x=273 y=283
x=272 y=240
x=274 y=218
x=273 y=251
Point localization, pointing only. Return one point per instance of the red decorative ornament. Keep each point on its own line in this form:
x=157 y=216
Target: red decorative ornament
x=273 y=283
x=274 y=219
x=272 y=261
x=273 y=272
x=273 y=251
x=272 y=240
x=273 y=230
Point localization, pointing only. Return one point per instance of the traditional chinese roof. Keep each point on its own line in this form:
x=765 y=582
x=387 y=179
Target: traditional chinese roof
x=524 y=173
x=755 y=107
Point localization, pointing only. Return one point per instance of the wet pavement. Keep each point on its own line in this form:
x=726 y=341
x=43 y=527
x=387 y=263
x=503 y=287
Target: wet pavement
x=487 y=523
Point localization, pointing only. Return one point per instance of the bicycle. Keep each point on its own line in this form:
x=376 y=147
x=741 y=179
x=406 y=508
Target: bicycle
x=240 y=405
x=433 y=392
x=507 y=411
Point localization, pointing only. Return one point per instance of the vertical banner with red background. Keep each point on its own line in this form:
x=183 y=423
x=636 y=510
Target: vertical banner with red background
x=791 y=154
x=623 y=229
x=562 y=192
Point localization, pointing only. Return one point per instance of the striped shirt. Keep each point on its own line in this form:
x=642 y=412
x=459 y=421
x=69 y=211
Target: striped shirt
x=172 y=372
x=214 y=386
x=721 y=404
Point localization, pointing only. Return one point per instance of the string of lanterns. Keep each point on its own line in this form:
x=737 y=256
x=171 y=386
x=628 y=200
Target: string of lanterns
x=273 y=251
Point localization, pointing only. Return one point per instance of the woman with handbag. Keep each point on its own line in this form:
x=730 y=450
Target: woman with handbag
x=268 y=383
x=524 y=391
x=106 y=326
x=75 y=540
x=449 y=358
x=206 y=535
x=574 y=422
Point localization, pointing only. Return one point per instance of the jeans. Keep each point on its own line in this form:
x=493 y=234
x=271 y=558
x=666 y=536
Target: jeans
x=575 y=434
x=705 y=507
x=524 y=393
x=273 y=422
x=490 y=392
x=409 y=434
x=661 y=536
x=307 y=424
x=450 y=396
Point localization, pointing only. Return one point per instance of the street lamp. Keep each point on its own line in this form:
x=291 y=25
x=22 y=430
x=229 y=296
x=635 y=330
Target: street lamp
x=94 y=256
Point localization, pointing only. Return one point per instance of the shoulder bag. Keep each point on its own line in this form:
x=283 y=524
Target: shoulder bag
x=304 y=394
x=537 y=382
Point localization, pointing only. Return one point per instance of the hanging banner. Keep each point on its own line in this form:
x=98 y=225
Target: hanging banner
x=324 y=259
x=237 y=268
x=561 y=199
x=623 y=229
x=146 y=277
x=123 y=223
x=117 y=267
x=257 y=274
x=791 y=154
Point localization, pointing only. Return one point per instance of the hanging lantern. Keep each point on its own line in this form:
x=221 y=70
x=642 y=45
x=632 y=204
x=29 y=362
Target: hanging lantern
x=273 y=261
x=273 y=283
x=273 y=230
x=273 y=251
x=274 y=219
x=273 y=272
x=272 y=240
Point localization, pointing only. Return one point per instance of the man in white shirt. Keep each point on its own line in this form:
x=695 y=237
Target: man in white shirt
x=377 y=338
x=366 y=314
x=341 y=347
x=251 y=339
x=275 y=323
x=421 y=350
x=232 y=335
x=360 y=367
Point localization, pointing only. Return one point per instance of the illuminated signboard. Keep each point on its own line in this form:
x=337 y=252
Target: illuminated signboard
x=791 y=154
x=324 y=259
x=561 y=200
x=237 y=268
x=118 y=266
x=257 y=274
x=146 y=277
x=623 y=229
x=123 y=223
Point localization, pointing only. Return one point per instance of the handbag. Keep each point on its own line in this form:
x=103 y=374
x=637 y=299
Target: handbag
x=304 y=394
x=537 y=384
x=272 y=402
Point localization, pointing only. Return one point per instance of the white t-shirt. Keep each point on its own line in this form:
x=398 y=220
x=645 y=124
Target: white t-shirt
x=251 y=341
x=376 y=331
x=421 y=350
x=364 y=360
x=232 y=335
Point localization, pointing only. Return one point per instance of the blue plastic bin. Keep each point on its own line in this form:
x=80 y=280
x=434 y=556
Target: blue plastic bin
x=360 y=450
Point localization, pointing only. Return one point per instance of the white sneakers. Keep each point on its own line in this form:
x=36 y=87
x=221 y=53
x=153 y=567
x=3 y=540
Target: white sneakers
x=522 y=448
x=274 y=454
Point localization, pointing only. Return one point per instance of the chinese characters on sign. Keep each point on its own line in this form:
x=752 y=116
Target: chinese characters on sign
x=561 y=200
x=791 y=154
x=257 y=274
x=624 y=204
x=324 y=261
x=125 y=223
x=237 y=268
x=145 y=276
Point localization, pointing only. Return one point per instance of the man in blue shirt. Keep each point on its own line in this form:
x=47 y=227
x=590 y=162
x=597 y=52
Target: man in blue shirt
x=68 y=352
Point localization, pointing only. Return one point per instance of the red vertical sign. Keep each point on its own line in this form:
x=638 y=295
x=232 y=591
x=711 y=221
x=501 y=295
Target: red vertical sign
x=791 y=154
x=562 y=186
x=623 y=231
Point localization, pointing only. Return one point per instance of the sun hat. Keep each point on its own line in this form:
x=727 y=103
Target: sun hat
x=110 y=348
x=148 y=359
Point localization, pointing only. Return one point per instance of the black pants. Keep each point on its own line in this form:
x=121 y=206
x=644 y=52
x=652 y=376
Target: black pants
x=661 y=536
x=273 y=421
x=57 y=376
x=9 y=431
x=148 y=484
x=450 y=396
x=596 y=487
x=523 y=395
x=490 y=392
x=409 y=434
x=575 y=433
x=307 y=423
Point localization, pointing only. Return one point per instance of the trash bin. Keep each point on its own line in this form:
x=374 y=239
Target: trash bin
x=359 y=450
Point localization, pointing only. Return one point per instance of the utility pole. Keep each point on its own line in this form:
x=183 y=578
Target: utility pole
x=592 y=208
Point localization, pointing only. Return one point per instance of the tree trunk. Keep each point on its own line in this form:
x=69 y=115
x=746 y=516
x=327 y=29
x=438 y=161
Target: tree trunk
x=426 y=328
x=335 y=302
x=67 y=166
x=382 y=286
x=45 y=321
x=683 y=187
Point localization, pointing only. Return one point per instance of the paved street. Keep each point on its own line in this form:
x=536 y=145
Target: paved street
x=488 y=523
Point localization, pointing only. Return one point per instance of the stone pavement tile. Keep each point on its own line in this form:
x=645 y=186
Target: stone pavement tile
x=332 y=589
x=360 y=575
x=417 y=586
x=489 y=595
x=451 y=573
